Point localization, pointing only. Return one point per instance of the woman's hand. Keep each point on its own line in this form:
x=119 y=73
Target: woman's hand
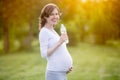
x=69 y=70
x=63 y=37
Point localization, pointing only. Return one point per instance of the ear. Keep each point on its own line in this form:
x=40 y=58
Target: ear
x=60 y=14
x=45 y=17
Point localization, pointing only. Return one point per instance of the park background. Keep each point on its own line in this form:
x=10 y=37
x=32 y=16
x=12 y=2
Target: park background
x=93 y=28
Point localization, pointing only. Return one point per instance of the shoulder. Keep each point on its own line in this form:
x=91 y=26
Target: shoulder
x=43 y=31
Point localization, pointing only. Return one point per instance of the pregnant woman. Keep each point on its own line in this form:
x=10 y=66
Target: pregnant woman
x=52 y=46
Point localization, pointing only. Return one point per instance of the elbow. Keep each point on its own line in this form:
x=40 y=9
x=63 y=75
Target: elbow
x=43 y=52
x=44 y=55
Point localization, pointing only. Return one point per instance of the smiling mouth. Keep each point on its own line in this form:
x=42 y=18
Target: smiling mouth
x=55 y=20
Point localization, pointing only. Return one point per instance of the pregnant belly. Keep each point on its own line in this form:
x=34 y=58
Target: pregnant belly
x=61 y=64
x=65 y=62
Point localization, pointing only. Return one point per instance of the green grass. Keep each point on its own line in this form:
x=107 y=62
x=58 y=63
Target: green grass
x=91 y=62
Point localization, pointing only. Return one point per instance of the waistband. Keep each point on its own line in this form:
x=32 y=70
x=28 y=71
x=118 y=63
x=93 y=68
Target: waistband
x=56 y=71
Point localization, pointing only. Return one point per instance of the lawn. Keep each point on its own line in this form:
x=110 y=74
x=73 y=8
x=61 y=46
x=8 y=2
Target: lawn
x=91 y=62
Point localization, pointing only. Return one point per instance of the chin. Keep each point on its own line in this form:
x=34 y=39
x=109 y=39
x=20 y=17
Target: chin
x=55 y=23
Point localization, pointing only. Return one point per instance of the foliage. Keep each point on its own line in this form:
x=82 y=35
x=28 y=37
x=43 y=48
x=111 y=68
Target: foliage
x=72 y=33
x=93 y=21
x=20 y=17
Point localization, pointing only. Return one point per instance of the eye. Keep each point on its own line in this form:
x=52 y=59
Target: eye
x=56 y=14
x=52 y=14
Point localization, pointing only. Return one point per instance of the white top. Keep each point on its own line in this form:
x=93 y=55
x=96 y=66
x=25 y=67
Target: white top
x=60 y=60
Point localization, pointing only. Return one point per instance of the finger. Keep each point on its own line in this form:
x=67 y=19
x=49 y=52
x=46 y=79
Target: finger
x=70 y=70
x=67 y=72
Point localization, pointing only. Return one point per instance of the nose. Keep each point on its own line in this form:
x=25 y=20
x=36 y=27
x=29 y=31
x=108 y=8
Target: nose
x=56 y=16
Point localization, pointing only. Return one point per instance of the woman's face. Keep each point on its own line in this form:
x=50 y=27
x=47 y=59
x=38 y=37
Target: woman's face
x=53 y=17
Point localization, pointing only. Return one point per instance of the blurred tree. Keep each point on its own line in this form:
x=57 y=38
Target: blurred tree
x=116 y=16
x=96 y=22
x=99 y=20
x=5 y=22
x=19 y=21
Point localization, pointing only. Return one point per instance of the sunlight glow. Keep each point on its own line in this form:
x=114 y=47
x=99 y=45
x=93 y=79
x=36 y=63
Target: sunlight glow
x=84 y=1
x=105 y=0
x=95 y=1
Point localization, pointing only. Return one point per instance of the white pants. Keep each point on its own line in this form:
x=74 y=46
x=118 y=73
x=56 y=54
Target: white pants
x=56 y=75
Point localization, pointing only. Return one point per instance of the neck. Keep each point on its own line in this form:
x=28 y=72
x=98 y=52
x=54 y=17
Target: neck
x=49 y=26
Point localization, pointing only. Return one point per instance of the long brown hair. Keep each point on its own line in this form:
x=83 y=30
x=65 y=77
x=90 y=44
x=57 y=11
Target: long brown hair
x=45 y=12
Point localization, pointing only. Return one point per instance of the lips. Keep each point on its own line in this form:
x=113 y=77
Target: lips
x=54 y=20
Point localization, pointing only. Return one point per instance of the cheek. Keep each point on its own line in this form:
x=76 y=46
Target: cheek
x=58 y=17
